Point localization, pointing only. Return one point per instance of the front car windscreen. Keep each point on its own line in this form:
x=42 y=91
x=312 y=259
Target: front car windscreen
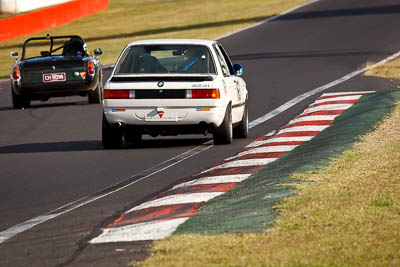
x=177 y=59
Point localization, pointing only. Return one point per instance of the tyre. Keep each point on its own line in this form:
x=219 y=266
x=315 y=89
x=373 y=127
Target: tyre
x=94 y=97
x=19 y=102
x=223 y=134
x=132 y=135
x=242 y=129
x=111 y=135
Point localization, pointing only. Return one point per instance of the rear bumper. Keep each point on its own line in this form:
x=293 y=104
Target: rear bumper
x=38 y=91
x=167 y=113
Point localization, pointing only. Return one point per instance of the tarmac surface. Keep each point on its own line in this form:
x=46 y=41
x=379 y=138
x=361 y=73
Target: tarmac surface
x=51 y=154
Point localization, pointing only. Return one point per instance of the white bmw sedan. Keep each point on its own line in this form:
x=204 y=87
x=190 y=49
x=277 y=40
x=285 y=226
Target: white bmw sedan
x=174 y=86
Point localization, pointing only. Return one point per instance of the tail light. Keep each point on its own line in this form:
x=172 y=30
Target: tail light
x=91 y=68
x=203 y=93
x=118 y=94
x=16 y=74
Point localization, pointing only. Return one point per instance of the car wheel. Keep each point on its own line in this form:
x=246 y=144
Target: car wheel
x=19 y=102
x=94 y=97
x=132 y=135
x=111 y=135
x=242 y=129
x=223 y=133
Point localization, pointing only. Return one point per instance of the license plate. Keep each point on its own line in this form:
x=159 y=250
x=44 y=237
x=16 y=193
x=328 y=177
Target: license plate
x=54 y=77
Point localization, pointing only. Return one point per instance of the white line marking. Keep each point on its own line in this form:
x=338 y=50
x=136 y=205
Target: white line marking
x=243 y=163
x=301 y=97
x=4 y=235
x=339 y=98
x=154 y=230
x=12 y=231
x=265 y=149
x=177 y=199
x=237 y=178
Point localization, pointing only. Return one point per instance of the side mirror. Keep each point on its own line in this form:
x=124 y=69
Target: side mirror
x=238 y=69
x=14 y=55
x=98 y=52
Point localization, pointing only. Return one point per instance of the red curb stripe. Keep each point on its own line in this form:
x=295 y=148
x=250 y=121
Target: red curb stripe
x=160 y=213
x=290 y=143
x=341 y=95
x=332 y=103
x=173 y=211
x=199 y=188
x=308 y=123
x=300 y=133
x=230 y=171
x=269 y=155
x=322 y=112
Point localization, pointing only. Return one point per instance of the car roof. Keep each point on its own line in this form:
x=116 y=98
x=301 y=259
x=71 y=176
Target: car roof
x=173 y=42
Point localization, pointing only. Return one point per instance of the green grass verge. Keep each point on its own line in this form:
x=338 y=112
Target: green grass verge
x=348 y=215
x=249 y=206
x=128 y=20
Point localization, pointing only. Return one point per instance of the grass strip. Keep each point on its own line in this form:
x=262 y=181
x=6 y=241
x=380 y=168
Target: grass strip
x=249 y=206
x=348 y=215
x=129 y=20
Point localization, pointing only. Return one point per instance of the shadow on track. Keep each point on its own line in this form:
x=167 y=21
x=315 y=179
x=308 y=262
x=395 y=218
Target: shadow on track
x=95 y=145
x=306 y=54
x=375 y=10
x=47 y=105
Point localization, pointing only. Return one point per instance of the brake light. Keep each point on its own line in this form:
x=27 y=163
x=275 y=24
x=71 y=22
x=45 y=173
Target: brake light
x=16 y=73
x=91 y=68
x=118 y=94
x=202 y=93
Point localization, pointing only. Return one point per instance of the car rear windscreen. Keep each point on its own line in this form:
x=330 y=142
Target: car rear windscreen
x=177 y=59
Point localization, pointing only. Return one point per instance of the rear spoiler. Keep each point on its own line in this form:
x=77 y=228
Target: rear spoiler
x=161 y=78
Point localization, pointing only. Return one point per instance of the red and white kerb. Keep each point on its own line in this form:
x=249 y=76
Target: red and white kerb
x=160 y=216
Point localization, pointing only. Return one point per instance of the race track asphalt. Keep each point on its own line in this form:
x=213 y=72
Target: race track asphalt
x=51 y=154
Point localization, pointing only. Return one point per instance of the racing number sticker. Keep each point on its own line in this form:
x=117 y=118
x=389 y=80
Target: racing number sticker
x=238 y=90
x=54 y=77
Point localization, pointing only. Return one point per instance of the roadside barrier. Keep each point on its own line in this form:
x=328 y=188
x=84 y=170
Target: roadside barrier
x=50 y=17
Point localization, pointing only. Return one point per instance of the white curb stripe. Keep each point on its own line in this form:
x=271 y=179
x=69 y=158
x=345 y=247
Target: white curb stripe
x=177 y=199
x=243 y=163
x=339 y=98
x=360 y=92
x=314 y=118
x=328 y=107
x=237 y=178
x=265 y=149
x=301 y=97
x=141 y=231
x=281 y=140
x=161 y=229
x=316 y=128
